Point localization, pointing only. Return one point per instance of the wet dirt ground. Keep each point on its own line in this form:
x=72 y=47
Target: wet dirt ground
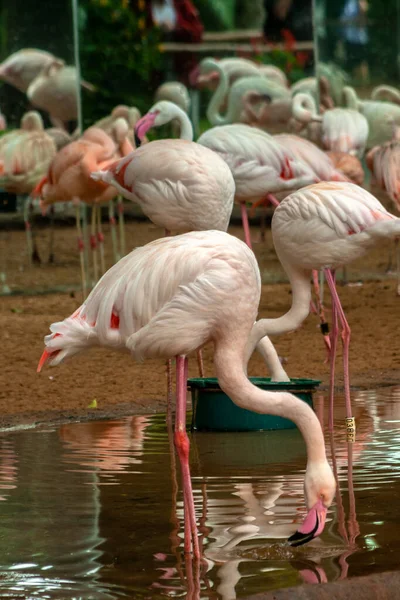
x=120 y=386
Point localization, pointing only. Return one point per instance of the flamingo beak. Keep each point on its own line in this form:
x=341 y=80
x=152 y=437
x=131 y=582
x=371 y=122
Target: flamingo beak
x=143 y=125
x=312 y=526
x=45 y=358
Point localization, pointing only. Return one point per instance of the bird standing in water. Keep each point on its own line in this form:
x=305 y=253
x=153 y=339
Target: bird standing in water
x=325 y=226
x=166 y=300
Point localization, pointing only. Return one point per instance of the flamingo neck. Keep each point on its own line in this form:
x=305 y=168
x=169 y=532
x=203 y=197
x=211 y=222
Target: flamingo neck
x=213 y=114
x=230 y=369
x=298 y=312
x=185 y=126
x=304 y=109
x=350 y=98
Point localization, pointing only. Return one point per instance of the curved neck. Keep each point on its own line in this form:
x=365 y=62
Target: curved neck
x=185 y=126
x=304 y=109
x=298 y=312
x=218 y=98
x=350 y=97
x=391 y=93
x=230 y=370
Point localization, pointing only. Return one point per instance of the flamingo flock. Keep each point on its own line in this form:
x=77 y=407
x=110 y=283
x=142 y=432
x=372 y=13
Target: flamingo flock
x=176 y=294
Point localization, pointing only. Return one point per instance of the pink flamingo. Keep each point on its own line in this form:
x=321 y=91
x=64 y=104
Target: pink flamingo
x=179 y=185
x=169 y=298
x=69 y=178
x=260 y=165
x=325 y=226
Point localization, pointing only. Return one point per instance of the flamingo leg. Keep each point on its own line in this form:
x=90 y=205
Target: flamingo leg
x=93 y=245
x=245 y=223
x=334 y=337
x=183 y=446
x=346 y=332
x=121 y=223
x=200 y=363
x=28 y=230
x=321 y=312
x=397 y=250
x=81 y=251
x=51 y=235
x=100 y=239
x=112 y=221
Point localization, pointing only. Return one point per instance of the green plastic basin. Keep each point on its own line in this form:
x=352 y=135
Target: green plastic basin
x=213 y=410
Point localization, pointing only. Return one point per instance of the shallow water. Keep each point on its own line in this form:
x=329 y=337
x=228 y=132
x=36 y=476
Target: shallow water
x=89 y=510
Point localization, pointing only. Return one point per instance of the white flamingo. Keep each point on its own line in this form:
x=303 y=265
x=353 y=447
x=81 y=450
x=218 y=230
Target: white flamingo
x=169 y=298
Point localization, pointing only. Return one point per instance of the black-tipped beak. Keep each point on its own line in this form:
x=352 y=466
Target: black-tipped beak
x=299 y=538
x=138 y=141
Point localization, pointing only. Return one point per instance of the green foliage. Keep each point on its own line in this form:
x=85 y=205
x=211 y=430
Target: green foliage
x=119 y=56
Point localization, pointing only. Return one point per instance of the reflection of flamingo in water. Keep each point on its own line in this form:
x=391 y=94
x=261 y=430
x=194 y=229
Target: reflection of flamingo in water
x=91 y=441
x=168 y=299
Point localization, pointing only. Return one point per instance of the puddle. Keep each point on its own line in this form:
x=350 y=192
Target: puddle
x=88 y=510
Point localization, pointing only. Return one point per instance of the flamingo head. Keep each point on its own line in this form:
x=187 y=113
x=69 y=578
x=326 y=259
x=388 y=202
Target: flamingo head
x=143 y=125
x=320 y=488
x=161 y=112
x=67 y=338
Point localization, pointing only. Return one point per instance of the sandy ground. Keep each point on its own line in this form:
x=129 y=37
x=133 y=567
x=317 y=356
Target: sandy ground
x=121 y=386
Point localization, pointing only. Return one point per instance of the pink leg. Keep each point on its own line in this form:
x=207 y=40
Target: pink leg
x=346 y=332
x=321 y=312
x=271 y=198
x=245 y=223
x=182 y=446
x=334 y=337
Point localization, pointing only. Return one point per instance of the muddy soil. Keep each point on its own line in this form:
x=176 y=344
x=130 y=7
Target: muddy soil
x=120 y=386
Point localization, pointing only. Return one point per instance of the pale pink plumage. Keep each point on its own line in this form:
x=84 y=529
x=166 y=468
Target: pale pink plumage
x=325 y=226
x=342 y=129
x=25 y=155
x=179 y=185
x=317 y=160
x=169 y=298
x=384 y=163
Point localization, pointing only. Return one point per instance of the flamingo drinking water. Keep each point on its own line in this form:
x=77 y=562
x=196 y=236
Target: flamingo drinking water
x=168 y=299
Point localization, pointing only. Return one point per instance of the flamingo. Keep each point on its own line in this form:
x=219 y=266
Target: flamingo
x=25 y=155
x=55 y=90
x=166 y=300
x=260 y=165
x=69 y=178
x=324 y=226
x=174 y=91
x=381 y=116
x=20 y=68
x=236 y=68
x=342 y=129
x=179 y=185
x=236 y=93
x=384 y=163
